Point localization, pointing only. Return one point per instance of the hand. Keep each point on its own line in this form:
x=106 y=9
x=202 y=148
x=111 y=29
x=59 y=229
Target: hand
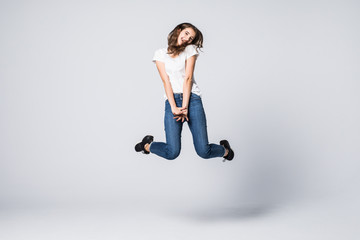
x=183 y=116
x=177 y=111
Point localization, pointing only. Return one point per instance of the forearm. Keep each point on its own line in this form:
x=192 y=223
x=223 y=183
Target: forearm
x=167 y=85
x=186 y=92
x=169 y=94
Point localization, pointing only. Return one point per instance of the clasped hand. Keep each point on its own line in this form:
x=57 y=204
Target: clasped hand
x=180 y=114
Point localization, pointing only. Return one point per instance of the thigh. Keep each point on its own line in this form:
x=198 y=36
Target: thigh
x=173 y=128
x=197 y=121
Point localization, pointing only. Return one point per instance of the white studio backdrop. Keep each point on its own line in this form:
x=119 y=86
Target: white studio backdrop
x=280 y=81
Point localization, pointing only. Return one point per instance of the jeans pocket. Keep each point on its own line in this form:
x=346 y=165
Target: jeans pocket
x=194 y=96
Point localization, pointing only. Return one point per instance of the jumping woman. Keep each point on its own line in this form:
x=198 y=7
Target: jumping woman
x=183 y=102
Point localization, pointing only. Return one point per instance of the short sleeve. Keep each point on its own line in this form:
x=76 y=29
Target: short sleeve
x=191 y=51
x=158 y=56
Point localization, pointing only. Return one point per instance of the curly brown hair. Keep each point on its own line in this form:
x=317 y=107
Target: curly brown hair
x=175 y=49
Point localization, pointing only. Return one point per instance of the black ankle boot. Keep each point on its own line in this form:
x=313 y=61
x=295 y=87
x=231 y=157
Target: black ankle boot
x=230 y=154
x=141 y=145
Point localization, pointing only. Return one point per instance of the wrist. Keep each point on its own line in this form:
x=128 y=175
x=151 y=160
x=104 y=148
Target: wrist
x=173 y=107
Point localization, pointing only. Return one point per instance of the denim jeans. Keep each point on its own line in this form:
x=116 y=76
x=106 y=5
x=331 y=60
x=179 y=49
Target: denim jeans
x=197 y=124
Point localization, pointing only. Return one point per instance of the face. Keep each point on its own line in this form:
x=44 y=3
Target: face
x=186 y=36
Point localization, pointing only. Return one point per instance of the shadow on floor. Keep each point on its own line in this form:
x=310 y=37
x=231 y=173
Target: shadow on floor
x=229 y=214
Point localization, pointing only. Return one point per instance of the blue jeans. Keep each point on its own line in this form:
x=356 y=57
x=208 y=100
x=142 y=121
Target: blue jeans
x=197 y=124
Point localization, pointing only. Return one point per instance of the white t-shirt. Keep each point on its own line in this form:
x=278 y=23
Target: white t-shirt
x=175 y=68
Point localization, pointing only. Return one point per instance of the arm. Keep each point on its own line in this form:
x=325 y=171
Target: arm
x=168 y=89
x=189 y=71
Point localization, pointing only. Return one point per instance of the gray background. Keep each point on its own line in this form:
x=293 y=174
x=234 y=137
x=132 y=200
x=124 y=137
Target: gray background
x=280 y=81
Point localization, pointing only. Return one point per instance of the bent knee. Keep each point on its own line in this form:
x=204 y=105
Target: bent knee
x=172 y=155
x=203 y=153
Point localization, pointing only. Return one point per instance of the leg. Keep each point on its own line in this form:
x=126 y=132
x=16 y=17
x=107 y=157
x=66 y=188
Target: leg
x=198 y=128
x=171 y=149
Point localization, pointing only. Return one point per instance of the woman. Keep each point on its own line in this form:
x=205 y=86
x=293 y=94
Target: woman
x=182 y=98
